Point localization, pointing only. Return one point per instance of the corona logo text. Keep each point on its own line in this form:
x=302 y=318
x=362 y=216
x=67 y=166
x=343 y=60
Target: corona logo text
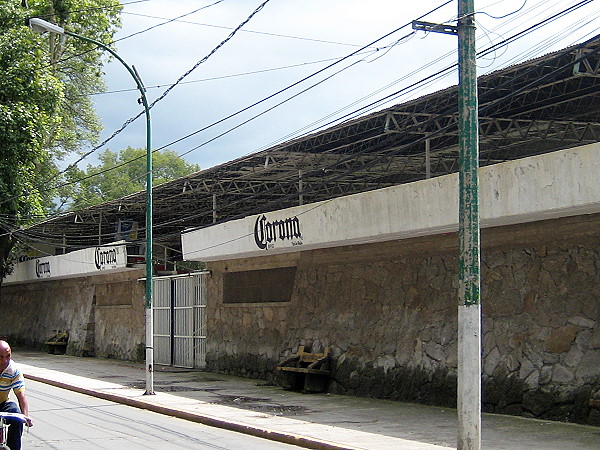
x=105 y=257
x=42 y=269
x=267 y=233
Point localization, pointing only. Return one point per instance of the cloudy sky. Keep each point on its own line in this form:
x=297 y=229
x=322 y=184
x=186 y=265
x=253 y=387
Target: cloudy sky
x=287 y=41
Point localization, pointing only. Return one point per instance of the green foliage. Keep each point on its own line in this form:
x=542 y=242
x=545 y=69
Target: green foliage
x=100 y=184
x=29 y=94
x=45 y=110
x=77 y=64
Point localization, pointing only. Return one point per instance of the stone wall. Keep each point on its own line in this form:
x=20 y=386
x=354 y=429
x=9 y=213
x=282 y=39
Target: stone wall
x=104 y=314
x=389 y=313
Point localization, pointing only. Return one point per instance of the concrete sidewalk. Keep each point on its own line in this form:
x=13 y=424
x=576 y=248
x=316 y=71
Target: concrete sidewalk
x=314 y=421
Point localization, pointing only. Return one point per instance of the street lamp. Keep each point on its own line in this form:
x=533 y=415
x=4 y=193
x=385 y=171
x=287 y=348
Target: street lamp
x=42 y=26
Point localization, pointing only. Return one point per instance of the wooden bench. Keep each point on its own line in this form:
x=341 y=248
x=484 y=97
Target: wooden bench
x=57 y=344
x=305 y=371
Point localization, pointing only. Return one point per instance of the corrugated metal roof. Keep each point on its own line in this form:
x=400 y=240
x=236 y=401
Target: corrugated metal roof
x=539 y=106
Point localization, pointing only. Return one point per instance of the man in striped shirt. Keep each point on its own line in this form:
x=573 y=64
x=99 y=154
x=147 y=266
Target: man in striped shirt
x=11 y=379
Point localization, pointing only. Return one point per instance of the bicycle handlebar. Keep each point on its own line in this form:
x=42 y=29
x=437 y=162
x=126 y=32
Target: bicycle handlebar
x=14 y=416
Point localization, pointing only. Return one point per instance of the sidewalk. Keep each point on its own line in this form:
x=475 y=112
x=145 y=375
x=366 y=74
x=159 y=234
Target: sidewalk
x=319 y=421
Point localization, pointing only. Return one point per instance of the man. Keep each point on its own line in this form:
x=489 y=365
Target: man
x=11 y=379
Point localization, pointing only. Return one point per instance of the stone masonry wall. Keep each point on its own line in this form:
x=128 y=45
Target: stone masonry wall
x=104 y=314
x=389 y=313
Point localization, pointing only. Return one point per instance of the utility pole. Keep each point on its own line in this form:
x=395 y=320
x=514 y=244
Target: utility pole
x=469 y=306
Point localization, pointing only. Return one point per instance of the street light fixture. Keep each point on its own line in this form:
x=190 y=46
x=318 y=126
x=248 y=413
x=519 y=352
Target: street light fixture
x=42 y=26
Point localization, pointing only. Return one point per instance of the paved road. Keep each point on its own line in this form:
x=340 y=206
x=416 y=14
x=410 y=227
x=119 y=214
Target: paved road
x=331 y=421
x=68 y=420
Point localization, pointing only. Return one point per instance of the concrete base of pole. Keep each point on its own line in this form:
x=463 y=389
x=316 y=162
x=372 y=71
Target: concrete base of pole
x=149 y=353
x=469 y=377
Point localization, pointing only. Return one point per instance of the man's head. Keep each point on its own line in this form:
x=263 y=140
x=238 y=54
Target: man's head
x=5 y=354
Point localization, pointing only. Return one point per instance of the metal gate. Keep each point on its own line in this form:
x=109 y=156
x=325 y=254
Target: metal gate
x=179 y=314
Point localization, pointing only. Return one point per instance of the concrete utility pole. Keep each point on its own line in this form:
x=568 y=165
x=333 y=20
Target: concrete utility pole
x=469 y=307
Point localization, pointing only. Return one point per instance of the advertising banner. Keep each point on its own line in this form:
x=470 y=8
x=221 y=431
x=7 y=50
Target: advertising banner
x=78 y=263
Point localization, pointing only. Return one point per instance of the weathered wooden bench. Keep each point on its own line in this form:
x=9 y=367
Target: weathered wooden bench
x=305 y=371
x=57 y=344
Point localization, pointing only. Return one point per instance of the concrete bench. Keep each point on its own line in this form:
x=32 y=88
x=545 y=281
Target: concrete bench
x=305 y=371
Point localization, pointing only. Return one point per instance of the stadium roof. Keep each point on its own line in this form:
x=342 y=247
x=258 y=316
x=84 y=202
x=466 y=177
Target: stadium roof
x=539 y=106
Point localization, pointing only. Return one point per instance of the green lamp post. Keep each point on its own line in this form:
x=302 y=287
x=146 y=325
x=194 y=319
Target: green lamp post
x=42 y=26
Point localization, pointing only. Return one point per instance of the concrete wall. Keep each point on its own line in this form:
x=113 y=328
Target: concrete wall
x=388 y=309
x=389 y=313
x=104 y=314
x=558 y=184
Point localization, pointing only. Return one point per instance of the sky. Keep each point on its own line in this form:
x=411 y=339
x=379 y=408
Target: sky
x=287 y=41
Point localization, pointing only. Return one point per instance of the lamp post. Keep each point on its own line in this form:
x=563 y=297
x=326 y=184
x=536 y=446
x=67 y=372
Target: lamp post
x=42 y=26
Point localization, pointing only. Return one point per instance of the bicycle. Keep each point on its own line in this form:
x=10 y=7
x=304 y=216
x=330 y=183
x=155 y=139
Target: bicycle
x=4 y=426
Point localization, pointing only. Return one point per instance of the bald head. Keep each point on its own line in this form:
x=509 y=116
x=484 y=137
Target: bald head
x=5 y=354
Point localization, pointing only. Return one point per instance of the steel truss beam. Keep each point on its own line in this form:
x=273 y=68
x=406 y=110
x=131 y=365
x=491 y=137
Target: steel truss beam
x=539 y=106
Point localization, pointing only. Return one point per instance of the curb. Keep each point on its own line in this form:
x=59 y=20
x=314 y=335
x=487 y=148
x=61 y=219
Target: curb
x=265 y=433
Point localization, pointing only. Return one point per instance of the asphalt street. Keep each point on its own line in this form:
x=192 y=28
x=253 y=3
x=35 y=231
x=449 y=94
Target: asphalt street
x=321 y=421
x=68 y=420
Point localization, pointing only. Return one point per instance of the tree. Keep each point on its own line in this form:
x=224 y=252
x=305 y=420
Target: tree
x=77 y=64
x=99 y=184
x=29 y=94
x=44 y=113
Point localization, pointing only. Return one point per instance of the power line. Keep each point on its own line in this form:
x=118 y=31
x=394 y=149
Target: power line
x=223 y=77
x=488 y=49
x=167 y=21
x=76 y=55
x=231 y=115
x=262 y=113
x=177 y=19
x=400 y=149
x=479 y=54
x=484 y=107
x=172 y=86
x=505 y=15
x=295 y=83
x=287 y=36
x=536 y=82
x=96 y=8
x=132 y=119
